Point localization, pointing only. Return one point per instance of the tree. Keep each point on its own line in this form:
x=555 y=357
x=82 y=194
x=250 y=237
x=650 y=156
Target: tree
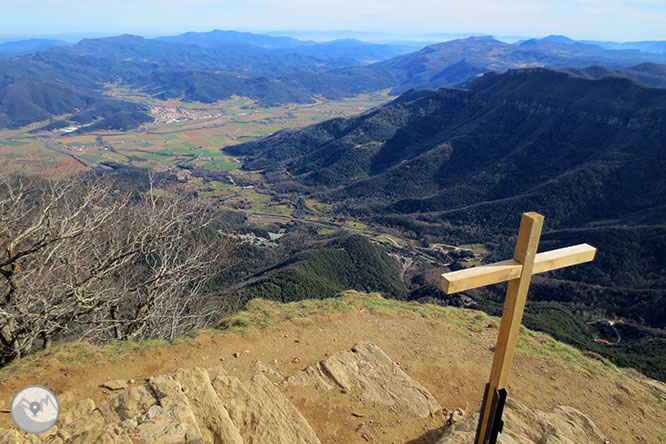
x=81 y=258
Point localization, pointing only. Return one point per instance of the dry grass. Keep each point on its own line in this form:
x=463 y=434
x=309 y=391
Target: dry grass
x=260 y=314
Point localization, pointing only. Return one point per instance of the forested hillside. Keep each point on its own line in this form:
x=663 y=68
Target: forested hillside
x=579 y=150
x=460 y=165
x=348 y=263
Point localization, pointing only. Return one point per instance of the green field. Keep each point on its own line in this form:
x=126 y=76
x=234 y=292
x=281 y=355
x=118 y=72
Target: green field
x=221 y=165
x=175 y=151
x=94 y=158
x=213 y=154
x=14 y=143
x=218 y=140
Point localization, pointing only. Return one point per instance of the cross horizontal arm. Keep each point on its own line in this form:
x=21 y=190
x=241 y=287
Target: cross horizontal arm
x=462 y=280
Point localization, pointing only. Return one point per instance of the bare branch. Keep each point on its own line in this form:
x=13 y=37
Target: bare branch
x=77 y=260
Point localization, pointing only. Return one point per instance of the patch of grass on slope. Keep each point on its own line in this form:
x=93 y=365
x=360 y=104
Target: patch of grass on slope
x=260 y=313
x=78 y=353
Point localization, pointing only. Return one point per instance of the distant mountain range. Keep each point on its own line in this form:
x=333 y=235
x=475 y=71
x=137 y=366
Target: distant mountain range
x=658 y=47
x=654 y=46
x=19 y=47
x=219 y=37
x=212 y=66
x=458 y=61
x=352 y=50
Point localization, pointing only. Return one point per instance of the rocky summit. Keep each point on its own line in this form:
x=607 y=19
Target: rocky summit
x=197 y=405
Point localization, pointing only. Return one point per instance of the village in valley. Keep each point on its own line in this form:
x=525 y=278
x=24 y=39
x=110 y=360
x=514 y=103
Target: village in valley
x=172 y=115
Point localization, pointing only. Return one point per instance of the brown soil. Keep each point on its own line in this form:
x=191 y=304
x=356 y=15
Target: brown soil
x=453 y=367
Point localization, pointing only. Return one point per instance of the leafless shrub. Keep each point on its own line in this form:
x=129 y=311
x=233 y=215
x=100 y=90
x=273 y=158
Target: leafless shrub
x=78 y=258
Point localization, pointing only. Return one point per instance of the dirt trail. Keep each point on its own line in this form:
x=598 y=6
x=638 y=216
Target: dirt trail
x=452 y=366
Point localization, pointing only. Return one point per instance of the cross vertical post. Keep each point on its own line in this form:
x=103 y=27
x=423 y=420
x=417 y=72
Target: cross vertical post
x=518 y=272
x=512 y=315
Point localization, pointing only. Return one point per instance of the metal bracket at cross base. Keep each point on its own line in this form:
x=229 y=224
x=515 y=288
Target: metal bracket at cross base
x=495 y=424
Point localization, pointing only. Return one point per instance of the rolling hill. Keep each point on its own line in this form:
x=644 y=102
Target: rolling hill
x=350 y=262
x=232 y=57
x=650 y=74
x=27 y=97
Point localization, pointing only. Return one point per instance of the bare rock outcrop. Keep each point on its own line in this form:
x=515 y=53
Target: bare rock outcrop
x=269 y=372
x=116 y=384
x=262 y=413
x=192 y=405
x=562 y=425
x=197 y=405
x=366 y=369
x=211 y=414
x=10 y=437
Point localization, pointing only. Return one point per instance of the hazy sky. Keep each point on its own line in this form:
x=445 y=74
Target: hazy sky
x=580 y=19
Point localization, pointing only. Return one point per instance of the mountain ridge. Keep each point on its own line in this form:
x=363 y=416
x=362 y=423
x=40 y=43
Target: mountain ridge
x=457 y=166
x=522 y=89
x=20 y=47
x=192 y=72
x=218 y=37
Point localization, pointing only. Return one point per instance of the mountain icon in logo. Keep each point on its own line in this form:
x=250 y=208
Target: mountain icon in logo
x=35 y=409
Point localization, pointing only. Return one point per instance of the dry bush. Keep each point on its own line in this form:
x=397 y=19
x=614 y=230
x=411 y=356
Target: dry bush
x=80 y=258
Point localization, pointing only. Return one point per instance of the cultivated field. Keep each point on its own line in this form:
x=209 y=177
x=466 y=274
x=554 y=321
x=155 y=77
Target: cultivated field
x=183 y=144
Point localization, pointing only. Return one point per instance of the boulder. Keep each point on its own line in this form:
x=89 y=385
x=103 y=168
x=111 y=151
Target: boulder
x=262 y=413
x=368 y=371
x=116 y=384
x=128 y=404
x=176 y=422
x=212 y=416
x=312 y=376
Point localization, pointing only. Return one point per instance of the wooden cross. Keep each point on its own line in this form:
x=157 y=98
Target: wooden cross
x=518 y=272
